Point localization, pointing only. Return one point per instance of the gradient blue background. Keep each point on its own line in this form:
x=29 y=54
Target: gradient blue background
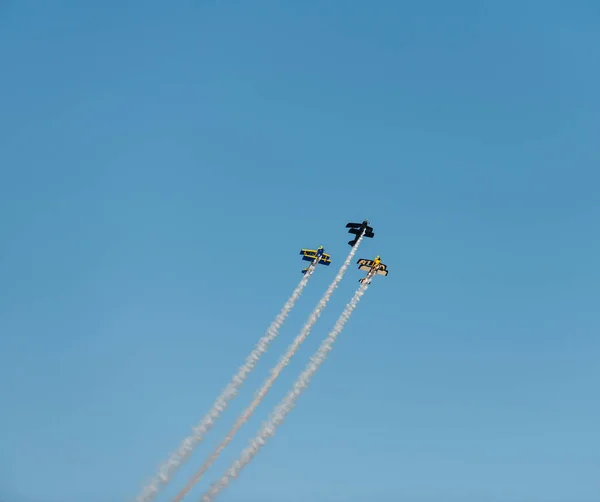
x=161 y=165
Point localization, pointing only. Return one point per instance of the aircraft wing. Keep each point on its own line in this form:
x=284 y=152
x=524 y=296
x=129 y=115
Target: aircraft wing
x=382 y=272
x=325 y=260
x=308 y=254
x=355 y=228
x=365 y=265
x=311 y=254
x=357 y=231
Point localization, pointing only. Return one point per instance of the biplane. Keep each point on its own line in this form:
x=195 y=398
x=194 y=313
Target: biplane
x=318 y=254
x=374 y=267
x=357 y=229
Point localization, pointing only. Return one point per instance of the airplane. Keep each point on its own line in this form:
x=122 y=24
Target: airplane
x=318 y=254
x=373 y=267
x=357 y=229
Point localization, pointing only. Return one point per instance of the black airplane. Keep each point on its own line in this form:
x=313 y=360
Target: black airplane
x=357 y=229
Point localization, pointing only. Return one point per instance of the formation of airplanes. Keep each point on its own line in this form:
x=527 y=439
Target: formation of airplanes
x=372 y=267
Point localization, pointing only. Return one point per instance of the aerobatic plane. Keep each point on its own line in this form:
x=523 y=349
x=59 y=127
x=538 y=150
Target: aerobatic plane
x=318 y=254
x=357 y=229
x=374 y=267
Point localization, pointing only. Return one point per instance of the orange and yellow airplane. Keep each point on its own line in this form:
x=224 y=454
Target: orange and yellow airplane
x=374 y=267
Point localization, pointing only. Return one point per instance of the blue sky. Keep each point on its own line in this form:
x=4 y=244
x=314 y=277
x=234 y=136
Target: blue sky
x=162 y=165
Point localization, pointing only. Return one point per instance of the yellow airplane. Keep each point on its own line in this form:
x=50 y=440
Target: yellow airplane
x=374 y=267
x=318 y=254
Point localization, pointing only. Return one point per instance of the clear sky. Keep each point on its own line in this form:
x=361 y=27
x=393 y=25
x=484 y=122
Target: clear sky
x=161 y=165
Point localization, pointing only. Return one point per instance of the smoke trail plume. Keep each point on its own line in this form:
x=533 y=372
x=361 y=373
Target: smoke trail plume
x=168 y=469
x=275 y=372
x=288 y=402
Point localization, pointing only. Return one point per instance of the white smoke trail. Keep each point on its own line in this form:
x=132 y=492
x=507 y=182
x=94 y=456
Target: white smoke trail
x=288 y=402
x=168 y=469
x=275 y=372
